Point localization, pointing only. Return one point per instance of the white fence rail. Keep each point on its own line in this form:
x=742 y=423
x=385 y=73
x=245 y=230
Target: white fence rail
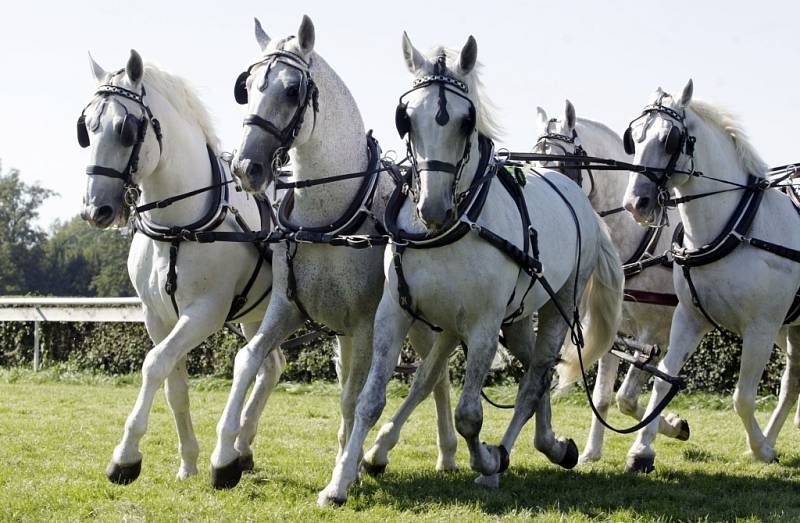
x=38 y=310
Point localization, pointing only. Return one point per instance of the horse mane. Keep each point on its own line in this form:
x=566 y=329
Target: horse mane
x=486 y=110
x=726 y=122
x=598 y=127
x=184 y=98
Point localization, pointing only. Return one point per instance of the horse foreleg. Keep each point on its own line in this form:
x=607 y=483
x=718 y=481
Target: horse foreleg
x=601 y=396
x=282 y=319
x=670 y=425
x=194 y=325
x=432 y=374
x=482 y=345
x=790 y=383
x=357 y=371
x=688 y=328
x=176 y=390
x=393 y=324
x=756 y=350
x=268 y=375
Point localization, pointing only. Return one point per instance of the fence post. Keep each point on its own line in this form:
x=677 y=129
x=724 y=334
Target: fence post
x=37 y=335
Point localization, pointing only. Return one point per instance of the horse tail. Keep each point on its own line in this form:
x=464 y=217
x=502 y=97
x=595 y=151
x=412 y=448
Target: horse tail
x=602 y=301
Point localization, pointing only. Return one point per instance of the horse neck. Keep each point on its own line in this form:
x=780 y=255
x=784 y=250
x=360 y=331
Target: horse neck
x=337 y=146
x=704 y=218
x=609 y=186
x=182 y=167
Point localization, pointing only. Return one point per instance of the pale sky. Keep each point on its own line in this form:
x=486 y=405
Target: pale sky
x=607 y=57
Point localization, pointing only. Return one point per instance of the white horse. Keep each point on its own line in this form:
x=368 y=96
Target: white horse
x=147 y=128
x=299 y=104
x=646 y=322
x=723 y=278
x=469 y=287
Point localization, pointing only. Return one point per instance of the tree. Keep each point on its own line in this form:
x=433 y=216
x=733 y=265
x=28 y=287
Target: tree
x=20 y=237
x=85 y=261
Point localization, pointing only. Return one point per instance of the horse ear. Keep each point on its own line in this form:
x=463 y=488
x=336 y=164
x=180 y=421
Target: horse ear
x=135 y=67
x=306 y=35
x=261 y=35
x=569 y=115
x=469 y=55
x=414 y=59
x=686 y=97
x=541 y=116
x=98 y=72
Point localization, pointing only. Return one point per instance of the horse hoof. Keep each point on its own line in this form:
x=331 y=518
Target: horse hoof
x=642 y=464
x=505 y=459
x=373 y=470
x=226 y=477
x=570 y=458
x=123 y=474
x=246 y=463
x=683 y=432
x=325 y=501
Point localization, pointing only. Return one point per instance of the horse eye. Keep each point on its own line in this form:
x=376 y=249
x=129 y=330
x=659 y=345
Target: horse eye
x=292 y=91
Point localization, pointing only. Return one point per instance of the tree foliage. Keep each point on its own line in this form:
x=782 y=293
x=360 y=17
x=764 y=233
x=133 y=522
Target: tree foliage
x=73 y=259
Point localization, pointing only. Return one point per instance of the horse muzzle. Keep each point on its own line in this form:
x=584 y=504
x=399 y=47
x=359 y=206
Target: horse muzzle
x=642 y=208
x=253 y=175
x=100 y=216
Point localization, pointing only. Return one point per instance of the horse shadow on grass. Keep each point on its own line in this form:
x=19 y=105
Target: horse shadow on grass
x=668 y=495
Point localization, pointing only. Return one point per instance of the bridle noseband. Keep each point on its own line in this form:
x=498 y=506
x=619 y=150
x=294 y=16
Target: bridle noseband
x=132 y=132
x=308 y=94
x=446 y=83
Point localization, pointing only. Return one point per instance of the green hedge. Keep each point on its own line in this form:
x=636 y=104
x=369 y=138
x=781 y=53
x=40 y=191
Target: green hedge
x=120 y=348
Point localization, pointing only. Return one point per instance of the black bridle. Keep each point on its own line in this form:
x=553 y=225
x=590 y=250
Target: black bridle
x=307 y=94
x=446 y=83
x=141 y=124
x=571 y=169
x=678 y=142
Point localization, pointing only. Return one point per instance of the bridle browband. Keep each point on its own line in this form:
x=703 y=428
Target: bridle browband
x=309 y=91
x=106 y=91
x=446 y=83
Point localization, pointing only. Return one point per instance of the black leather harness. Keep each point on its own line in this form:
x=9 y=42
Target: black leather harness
x=733 y=235
x=214 y=217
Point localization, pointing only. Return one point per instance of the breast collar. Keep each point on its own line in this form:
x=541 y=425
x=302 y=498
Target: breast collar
x=738 y=226
x=469 y=209
x=214 y=216
x=356 y=213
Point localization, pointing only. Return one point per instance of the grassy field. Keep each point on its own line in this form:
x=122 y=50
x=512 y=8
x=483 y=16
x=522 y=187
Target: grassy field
x=57 y=433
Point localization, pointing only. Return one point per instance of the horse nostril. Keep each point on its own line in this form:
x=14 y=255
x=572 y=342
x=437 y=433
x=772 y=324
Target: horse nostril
x=254 y=169
x=104 y=214
x=642 y=203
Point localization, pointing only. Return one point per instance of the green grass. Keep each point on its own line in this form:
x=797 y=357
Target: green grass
x=57 y=431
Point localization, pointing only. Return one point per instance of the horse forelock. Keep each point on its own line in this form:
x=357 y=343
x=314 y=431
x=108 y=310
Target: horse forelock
x=485 y=109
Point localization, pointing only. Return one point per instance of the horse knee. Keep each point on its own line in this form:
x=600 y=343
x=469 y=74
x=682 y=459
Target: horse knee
x=155 y=368
x=469 y=419
x=743 y=402
x=370 y=411
x=627 y=403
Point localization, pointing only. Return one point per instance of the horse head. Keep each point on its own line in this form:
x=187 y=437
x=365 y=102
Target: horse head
x=281 y=98
x=113 y=126
x=659 y=138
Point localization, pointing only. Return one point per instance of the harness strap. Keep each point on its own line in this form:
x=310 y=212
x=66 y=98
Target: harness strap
x=172 y=275
x=403 y=289
x=651 y=298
